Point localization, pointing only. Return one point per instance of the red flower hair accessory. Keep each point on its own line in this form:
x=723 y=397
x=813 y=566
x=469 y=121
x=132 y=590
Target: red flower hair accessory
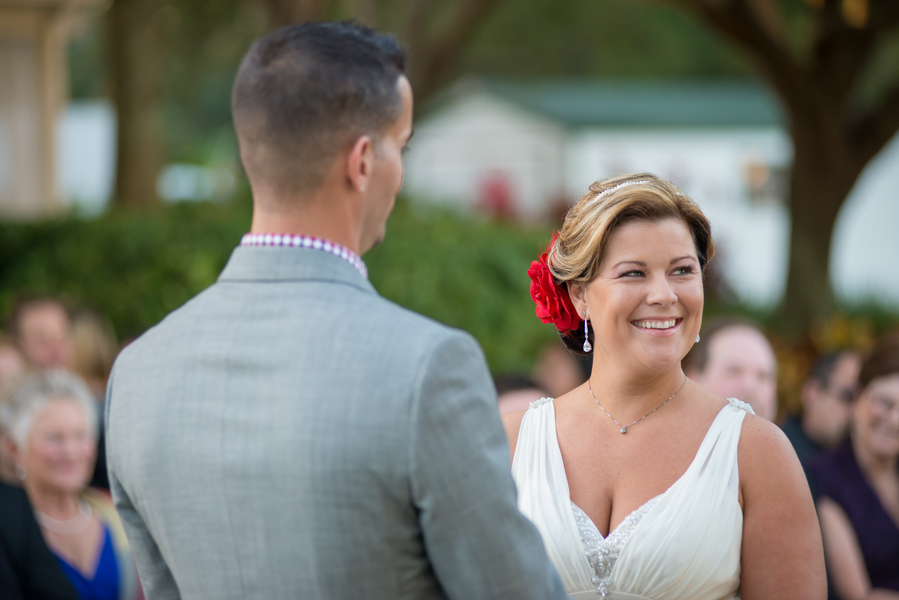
x=553 y=302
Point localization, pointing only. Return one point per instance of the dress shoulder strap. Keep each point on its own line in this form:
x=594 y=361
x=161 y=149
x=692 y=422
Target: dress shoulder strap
x=741 y=405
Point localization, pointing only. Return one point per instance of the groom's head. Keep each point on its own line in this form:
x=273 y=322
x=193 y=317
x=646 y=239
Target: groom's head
x=305 y=94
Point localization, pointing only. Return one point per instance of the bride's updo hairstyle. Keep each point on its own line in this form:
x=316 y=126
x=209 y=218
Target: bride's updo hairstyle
x=578 y=250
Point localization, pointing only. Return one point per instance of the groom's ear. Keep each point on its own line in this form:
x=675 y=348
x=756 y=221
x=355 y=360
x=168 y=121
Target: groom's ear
x=359 y=162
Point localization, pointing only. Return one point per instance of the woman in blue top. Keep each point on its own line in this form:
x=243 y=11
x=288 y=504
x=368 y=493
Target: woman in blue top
x=50 y=417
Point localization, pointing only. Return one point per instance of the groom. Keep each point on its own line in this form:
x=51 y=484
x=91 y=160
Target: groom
x=288 y=433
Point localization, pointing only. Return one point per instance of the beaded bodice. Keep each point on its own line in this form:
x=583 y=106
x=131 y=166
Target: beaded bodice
x=602 y=553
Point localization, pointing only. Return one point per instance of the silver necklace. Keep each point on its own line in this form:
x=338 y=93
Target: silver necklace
x=72 y=526
x=624 y=427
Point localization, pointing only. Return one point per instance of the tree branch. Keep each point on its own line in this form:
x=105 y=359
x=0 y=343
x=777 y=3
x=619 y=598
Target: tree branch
x=874 y=131
x=736 y=21
x=366 y=11
x=840 y=51
x=286 y=12
x=414 y=29
x=436 y=60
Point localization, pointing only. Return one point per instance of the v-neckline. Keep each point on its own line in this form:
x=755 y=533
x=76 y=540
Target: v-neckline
x=652 y=500
x=99 y=557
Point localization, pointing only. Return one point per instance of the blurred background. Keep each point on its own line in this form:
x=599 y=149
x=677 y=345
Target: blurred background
x=121 y=189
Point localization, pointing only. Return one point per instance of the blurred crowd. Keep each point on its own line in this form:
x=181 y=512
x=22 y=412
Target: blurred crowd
x=61 y=538
x=846 y=435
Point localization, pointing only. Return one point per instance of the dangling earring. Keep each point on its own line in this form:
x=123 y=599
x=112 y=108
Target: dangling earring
x=20 y=471
x=697 y=338
x=587 y=346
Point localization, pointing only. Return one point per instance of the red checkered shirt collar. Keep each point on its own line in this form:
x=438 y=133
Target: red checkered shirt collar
x=306 y=241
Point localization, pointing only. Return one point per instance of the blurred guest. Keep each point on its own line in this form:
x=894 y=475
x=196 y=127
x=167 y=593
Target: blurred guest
x=27 y=568
x=827 y=397
x=858 y=486
x=95 y=348
x=734 y=359
x=558 y=371
x=516 y=392
x=50 y=417
x=11 y=361
x=11 y=364
x=40 y=327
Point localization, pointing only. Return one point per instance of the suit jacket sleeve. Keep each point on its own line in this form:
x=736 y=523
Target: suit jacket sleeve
x=156 y=578
x=478 y=542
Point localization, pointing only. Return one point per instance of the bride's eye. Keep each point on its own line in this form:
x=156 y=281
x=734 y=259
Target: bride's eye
x=685 y=270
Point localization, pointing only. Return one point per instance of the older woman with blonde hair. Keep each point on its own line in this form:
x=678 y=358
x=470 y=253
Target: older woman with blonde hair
x=52 y=429
x=642 y=483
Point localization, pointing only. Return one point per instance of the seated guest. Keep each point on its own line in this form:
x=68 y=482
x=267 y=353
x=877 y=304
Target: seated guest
x=558 y=370
x=515 y=392
x=858 y=486
x=27 y=568
x=42 y=330
x=11 y=361
x=827 y=397
x=51 y=421
x=11 y=365
x=734 y=359
x=94 y=350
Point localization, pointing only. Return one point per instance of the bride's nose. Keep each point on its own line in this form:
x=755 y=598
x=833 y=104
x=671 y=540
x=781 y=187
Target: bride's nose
x=661 y=292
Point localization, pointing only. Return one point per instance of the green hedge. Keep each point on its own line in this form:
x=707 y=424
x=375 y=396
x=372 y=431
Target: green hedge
x=135 y=268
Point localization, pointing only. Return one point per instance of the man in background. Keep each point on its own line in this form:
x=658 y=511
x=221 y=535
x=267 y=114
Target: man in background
x=734 y=359
x=41 y=329
x=827 y=397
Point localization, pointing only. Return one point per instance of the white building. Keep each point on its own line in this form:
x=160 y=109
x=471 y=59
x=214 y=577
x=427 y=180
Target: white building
x=529 y=150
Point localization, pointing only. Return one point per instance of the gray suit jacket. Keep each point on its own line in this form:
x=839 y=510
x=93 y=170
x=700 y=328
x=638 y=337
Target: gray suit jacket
x=288 y=433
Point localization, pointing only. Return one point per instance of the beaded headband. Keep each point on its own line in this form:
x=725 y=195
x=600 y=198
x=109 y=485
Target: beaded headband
x=612 y=189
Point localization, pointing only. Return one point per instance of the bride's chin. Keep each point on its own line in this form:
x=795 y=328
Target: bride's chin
x=656 y=361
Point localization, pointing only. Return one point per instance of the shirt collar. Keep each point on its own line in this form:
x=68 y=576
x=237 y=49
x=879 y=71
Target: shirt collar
x=306 y=241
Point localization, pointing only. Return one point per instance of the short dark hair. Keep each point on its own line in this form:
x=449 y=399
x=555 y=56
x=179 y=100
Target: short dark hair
x=304 y=92
x=698 y=356
x=882 y=361
x=824 y=366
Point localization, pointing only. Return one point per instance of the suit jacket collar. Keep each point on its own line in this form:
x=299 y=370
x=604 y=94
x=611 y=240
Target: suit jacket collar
x=276 y=263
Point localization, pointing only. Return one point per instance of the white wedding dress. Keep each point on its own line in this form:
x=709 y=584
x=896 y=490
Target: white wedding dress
x=681 y=545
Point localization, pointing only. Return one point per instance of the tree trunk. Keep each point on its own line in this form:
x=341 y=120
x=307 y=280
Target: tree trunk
x=136 y=54
x=817 y=191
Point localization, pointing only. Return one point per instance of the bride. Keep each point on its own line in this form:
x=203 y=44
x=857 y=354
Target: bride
x=642 y=483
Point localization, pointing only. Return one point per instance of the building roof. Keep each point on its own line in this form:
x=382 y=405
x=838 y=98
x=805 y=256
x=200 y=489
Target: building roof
x=709 y=103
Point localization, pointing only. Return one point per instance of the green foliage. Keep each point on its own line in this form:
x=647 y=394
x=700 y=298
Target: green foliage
x=467 y=273
x=136 y=268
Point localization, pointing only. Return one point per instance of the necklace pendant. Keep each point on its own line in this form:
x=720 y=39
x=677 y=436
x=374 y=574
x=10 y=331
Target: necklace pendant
x=624 y=429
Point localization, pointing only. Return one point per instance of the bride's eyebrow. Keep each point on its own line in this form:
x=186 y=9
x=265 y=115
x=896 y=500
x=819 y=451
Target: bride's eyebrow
x=690 y=256
x=639 y=263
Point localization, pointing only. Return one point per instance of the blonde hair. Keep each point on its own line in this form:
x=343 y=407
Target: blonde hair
x=94 y=345
x=24 y=398
x=610 y=203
